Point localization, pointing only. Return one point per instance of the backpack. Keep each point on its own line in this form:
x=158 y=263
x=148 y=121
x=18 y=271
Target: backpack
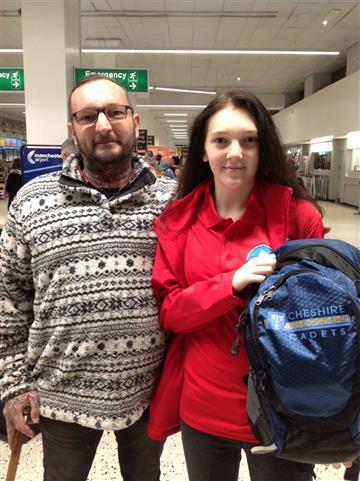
x=302 y=335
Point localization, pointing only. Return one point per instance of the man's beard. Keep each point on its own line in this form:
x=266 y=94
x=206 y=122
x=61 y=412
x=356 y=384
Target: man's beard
x=110 y=157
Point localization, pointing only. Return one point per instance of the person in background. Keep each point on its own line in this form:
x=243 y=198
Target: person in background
x=237 y=201
x=13 y=181
x=166 y=167
x=81 y=342
x=153 y=163
x=68 y=148
x=177 y=172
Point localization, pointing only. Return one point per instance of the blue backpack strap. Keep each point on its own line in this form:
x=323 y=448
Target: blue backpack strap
x=328 y=252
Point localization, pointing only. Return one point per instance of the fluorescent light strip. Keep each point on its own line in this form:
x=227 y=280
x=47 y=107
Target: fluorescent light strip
x=317 y=140
x=171 y=89
x=193 y=52
x=11 y=50
x=209 y=51
x=11 y=105
x=172 y=106
x=175 y=120
x=176 y=115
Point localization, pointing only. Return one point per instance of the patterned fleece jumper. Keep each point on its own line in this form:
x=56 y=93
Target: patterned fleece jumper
x=78 y=319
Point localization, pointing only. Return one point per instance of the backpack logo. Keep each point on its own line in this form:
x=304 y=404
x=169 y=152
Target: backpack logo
x=276 y=321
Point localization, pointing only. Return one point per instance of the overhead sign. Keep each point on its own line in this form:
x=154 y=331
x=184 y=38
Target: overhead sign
x=12 y=79
x=151 y=140
x=39 y=159
x=133 y=80
x=142 y=141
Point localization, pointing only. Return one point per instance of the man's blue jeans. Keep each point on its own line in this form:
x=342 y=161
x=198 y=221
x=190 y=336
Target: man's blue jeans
x=69 y=450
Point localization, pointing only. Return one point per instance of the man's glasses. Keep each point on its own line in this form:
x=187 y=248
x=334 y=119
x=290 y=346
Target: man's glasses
x=112 y=113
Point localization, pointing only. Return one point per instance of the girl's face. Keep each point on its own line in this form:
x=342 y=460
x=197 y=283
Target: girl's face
x=232 y=148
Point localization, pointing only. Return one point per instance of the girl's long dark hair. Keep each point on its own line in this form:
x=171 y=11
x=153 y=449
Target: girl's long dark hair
x=273 y=165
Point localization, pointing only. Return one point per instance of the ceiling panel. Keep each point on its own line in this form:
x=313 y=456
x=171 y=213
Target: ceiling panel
x=229 y=32
x=236 y=6
x=221 y=24
x=10 y=5
x=181 y=32
x=177 y=6
x=263 y=36
x=101 y=5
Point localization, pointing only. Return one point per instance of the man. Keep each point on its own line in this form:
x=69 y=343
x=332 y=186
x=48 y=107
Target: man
x=81 y=340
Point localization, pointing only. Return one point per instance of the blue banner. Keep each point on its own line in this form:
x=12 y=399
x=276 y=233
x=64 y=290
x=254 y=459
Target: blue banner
x=39 y=159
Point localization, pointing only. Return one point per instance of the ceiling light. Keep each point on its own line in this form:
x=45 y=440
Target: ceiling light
x=194 y=52
x=317 y=140
x=170 y=106
x=171 y=89
x=175 y=115
x=11 y=50
x=353 y=140
x=5 y=104
x=238 y=79
x=176 y=120
x=331 y=16
x=209 y=51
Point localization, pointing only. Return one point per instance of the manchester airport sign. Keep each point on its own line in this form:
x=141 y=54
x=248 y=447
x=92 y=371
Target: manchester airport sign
x=132 y=79
x=39 y=159
x=11 y=79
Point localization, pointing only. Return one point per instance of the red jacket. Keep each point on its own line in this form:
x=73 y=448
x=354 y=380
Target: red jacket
x=187 y=308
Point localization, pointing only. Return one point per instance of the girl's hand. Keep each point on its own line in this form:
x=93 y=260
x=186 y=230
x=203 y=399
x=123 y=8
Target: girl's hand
x=254 y=271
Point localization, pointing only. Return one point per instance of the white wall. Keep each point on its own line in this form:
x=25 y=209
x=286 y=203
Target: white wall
x=334 y=110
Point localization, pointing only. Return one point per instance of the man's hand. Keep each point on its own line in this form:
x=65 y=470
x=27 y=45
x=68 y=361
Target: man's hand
x=255 y=270
x=14 y=415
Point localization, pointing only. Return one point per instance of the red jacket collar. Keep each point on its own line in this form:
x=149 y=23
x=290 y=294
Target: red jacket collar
x=180 y=214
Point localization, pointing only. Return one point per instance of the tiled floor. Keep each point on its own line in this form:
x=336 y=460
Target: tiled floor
x=344 y=225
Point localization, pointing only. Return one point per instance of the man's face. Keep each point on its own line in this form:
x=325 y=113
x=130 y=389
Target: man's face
x=103 y=143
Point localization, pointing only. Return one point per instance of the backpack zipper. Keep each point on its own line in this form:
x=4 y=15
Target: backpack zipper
x=346 y=259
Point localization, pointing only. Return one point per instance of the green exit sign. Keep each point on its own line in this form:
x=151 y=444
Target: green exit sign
x=133 y=80
x=11 y=79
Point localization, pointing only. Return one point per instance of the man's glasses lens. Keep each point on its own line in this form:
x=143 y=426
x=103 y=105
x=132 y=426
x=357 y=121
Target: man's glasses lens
x=90 y=116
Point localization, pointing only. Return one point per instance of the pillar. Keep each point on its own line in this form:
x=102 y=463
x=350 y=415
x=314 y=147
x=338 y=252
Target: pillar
x=51 y=43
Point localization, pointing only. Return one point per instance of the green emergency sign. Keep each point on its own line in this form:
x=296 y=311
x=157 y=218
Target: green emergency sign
x=133 y=80
x=11 y=79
